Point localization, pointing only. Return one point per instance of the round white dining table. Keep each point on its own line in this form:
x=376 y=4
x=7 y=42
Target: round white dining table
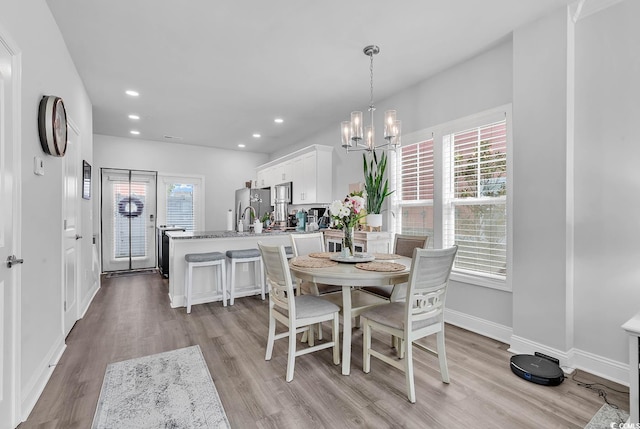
x=350 y=277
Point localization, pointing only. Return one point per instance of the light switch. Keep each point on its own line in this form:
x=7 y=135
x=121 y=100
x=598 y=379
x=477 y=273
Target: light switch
x=38 y=166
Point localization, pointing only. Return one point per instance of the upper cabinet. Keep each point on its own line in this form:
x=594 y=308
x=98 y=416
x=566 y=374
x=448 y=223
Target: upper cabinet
x=310 y=170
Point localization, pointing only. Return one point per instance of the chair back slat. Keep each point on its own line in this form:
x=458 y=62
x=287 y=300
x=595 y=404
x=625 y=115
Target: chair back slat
x=303 y=244
x=430 y=271
x=405 y=244
x=278 y=277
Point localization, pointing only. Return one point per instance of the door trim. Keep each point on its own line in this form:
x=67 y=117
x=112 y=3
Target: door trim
x=16 y=117
x=78 y=215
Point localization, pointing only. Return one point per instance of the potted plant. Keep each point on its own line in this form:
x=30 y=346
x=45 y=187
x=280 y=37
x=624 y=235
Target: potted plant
x=375 y=186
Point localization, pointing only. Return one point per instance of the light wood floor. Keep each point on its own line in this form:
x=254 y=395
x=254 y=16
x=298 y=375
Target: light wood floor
x=130 y=317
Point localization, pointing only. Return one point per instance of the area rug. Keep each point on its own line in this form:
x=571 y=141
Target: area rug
x=607 y=417
x=166 y=390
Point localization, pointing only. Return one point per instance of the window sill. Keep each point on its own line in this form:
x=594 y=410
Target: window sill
x=476 y=280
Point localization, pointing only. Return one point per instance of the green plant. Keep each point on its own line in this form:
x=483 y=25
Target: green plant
x=375 y=185
x=264 y=217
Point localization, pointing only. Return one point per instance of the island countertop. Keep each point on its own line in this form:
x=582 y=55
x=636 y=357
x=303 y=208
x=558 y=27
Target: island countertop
x=191 y=235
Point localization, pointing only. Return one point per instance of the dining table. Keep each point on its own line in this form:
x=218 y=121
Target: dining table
x=351 y=273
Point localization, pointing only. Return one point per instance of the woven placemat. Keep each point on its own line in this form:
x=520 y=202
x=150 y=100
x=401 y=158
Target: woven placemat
x=323 y=255
x=380 y=266
x=304 y=262
x=385 y=256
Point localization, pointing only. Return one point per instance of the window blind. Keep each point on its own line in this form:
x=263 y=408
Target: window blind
x=180 y=205
x=415 y=188
x=475 y=215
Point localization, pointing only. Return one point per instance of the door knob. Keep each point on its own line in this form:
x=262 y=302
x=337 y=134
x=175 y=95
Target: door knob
x=78 y=237
x=12 y=260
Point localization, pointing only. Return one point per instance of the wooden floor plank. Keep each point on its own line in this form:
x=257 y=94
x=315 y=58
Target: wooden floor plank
x=130 y=317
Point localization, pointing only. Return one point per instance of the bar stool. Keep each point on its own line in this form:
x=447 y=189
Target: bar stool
x=211 y=259
x=245 y=256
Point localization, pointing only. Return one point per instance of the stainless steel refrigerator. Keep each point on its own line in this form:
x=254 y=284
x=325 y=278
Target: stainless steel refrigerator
x=259 y=199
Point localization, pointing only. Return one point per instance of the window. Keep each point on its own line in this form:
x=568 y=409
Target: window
x=180 y=202
x=452 y=184
x=415 y=189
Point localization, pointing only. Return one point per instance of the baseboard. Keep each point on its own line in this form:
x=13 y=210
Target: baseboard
x=85 y=306
x=601 y=366
x=609 y=369
x=35 y=386
x=480 y=326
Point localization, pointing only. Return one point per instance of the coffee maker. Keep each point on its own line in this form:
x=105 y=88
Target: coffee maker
x=281 y=205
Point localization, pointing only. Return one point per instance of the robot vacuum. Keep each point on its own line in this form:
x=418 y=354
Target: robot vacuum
x=537 y=369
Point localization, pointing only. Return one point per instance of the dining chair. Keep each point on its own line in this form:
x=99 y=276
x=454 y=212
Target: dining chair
x=419 y=315
x=297 y=312
x=304 y=244
x=403 y=245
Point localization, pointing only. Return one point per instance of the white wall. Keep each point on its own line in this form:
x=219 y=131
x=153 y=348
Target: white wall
x=47 y=69
x=575 y=275
x=224 y=171
x=480 y=83
x=607 y=214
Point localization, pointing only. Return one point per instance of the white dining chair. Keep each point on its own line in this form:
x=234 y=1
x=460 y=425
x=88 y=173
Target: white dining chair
x=421 y=314
x=297 y=312
x=403 y=245
x=304 y=244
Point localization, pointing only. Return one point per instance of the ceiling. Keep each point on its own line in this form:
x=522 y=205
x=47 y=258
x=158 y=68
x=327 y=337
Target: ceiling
x=212 y=73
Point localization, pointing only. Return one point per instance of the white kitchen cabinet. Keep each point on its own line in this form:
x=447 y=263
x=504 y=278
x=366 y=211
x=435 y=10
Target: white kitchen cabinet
x=309 y=169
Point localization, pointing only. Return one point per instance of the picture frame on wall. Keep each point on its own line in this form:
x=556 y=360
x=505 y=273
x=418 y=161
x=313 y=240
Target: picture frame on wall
x=86 y=180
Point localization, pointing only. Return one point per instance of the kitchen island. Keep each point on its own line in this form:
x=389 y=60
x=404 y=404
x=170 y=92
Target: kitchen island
x=205 y=284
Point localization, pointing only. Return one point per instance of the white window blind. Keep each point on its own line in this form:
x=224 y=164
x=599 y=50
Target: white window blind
x=475 y=192
x=181 y=201
x=414 y=184
x=130 y=232
x=180 y=205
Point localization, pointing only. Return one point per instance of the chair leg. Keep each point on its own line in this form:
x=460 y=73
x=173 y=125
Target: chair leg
x=311 y=340
x=263 y=282
x=442 y=357
x=232 y=282
x=408 y=370
x=223 y=282
x=291 y=358
x=272 y=335
x=366 y=346
x=319 y=331
x=189 y=285
x=335 y=335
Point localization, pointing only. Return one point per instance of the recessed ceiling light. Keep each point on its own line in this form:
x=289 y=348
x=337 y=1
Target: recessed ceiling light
x=278 y=120
x=132 y=93
x=256 y=135
x=240 y=145
x=135 y=117
x=134 y=132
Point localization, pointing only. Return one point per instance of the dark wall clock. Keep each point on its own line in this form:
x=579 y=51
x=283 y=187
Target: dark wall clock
x=52 y=125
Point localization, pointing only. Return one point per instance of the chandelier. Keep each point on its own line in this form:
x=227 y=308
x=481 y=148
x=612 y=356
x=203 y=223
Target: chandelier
x=353 y=138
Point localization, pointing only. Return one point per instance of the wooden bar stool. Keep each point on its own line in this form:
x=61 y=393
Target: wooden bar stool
x=211 y=259
x=241 y=257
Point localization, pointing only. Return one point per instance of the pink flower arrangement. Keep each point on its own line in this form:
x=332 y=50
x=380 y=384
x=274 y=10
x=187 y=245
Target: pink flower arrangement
x=349 y=211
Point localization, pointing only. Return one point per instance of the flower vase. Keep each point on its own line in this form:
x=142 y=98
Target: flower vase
x=347 y=241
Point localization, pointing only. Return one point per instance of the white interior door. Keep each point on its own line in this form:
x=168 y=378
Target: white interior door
x=71 y=229
x=9 y=239
x=128 y=217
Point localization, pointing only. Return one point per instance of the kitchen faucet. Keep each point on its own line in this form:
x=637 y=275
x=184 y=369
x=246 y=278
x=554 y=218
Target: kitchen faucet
x=252 y=211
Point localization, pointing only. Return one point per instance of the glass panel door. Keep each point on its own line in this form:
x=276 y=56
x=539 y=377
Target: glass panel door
x=128 y=219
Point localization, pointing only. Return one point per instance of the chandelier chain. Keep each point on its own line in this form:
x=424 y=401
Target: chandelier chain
x=371 y=81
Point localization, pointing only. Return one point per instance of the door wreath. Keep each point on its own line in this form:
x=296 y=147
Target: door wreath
x=130 y=207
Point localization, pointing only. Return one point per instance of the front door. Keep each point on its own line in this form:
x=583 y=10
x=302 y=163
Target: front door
x=128 y=219
x=9 y=238
x=71 y=229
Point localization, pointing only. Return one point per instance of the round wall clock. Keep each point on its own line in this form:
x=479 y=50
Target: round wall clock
x=52 y=125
